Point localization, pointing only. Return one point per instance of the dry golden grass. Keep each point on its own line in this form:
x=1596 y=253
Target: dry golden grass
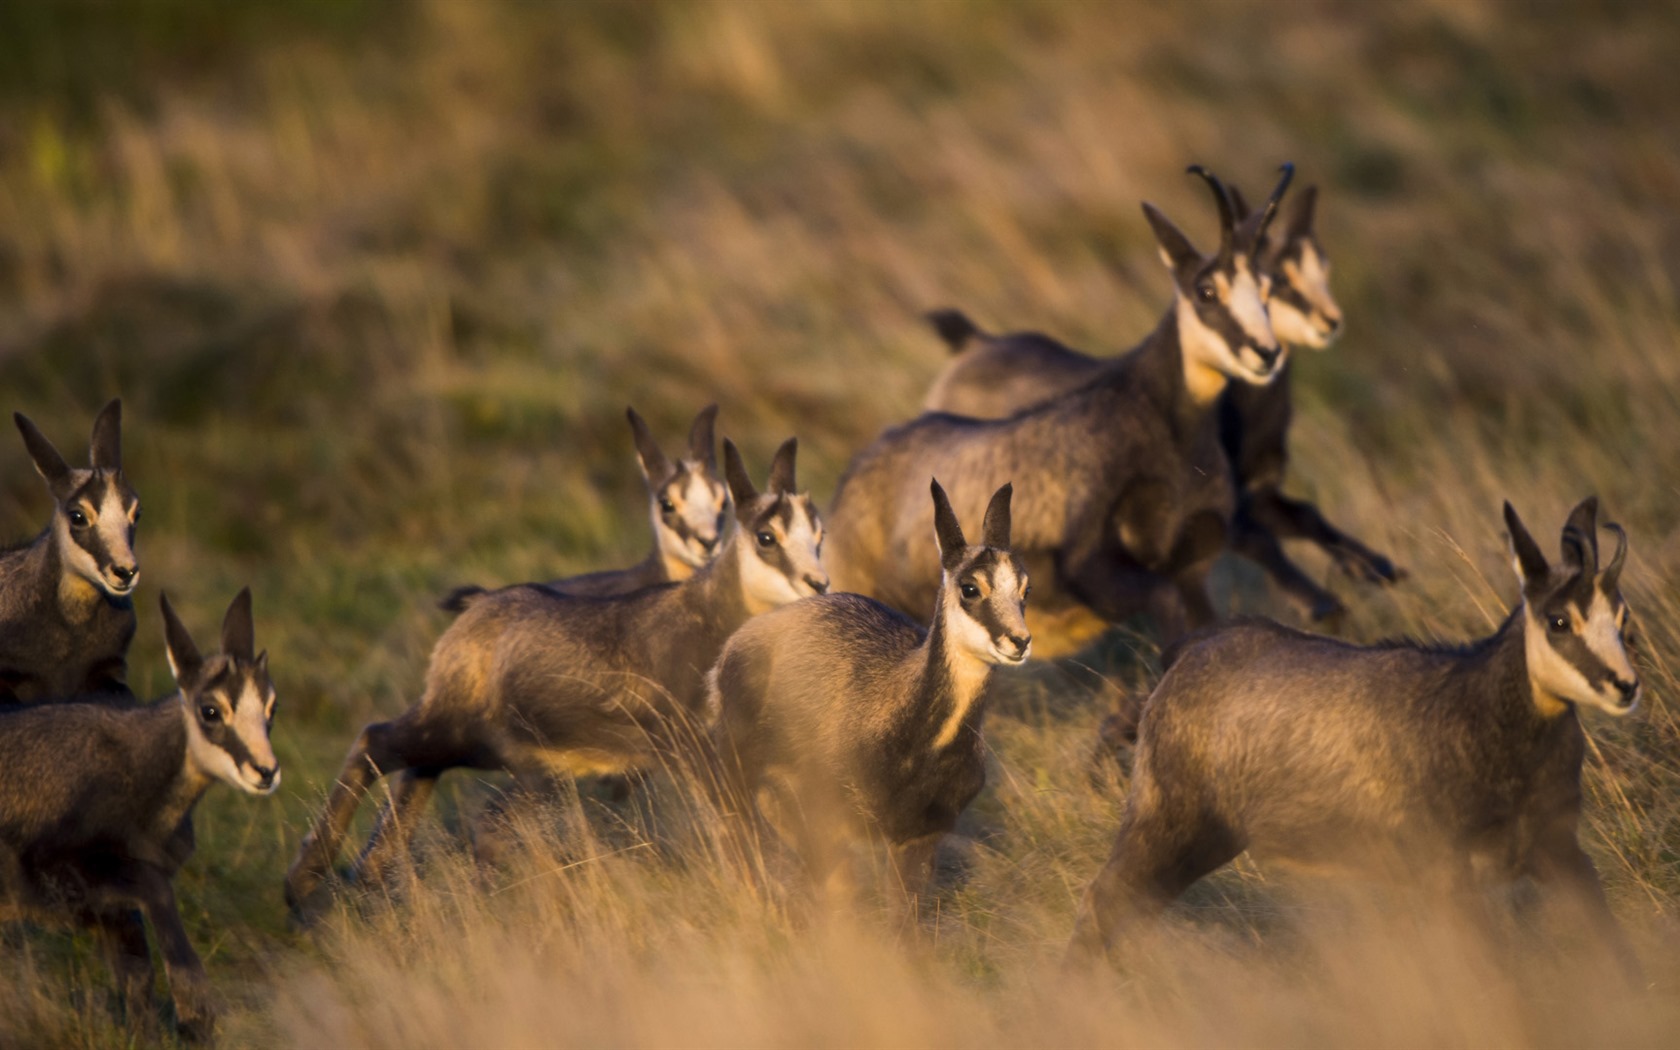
x=376 y=292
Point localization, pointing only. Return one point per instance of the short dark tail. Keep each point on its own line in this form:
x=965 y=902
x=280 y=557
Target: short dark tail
x=457 y=600
x=954 y=327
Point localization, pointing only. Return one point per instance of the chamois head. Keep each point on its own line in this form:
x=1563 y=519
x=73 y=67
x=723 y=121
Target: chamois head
x=227 y=700
x=983 y=590
x=779 y=532
x=1221 y=313
x=688 y=501
x=96 y=510
x=1574 y=616
x=1295 y=275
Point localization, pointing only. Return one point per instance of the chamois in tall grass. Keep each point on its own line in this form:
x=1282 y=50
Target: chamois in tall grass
x=995 y=376
x=1453 y=765
x=66 y=597
x=93 y=797
x=544 y=684
x=842 y=720
x=1124 y=492
x=687 y=501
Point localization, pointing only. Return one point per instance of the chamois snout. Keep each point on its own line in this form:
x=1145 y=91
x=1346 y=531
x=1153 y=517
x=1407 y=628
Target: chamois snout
x=818 y=584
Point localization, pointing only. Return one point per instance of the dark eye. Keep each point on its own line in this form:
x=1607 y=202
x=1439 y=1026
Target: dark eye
x=1026 y=593
x=970 y=592
x=210 y=713
x=1559 y=624
x=766 y=539
x=78 y=519
x=135 y=518
x=1206 y=293
x=667 y=506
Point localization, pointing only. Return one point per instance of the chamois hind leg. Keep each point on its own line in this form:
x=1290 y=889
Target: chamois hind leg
x=1567 y=876
x=387 y=849
x=1290 y=518
x=122 y=940
x=1258 y=544
x=380 y=748
x=189 y=986
x=1157 y=855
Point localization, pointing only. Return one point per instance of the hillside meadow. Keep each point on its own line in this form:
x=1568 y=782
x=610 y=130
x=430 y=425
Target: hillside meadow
x=376 y=281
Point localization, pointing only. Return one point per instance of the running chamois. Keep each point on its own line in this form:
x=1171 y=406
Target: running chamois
x=66 y=598
x=1447 y=766
x=1124 y=492
x=94 y=797
x=995 y=376
x=841 y=720
x=544 y=684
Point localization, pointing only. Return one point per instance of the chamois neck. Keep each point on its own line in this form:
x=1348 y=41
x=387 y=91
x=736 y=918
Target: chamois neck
x=952 y=683
x=1504 y=659
x=675 y=569
x=718 y=588
x=1185 y=392
x=57 y=588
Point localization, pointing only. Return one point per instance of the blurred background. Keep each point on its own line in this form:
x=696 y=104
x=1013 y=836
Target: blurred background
x=376 y=280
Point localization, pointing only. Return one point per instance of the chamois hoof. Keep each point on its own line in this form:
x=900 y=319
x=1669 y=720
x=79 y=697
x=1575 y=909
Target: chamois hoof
x=1328 y=611
x=306 y=906
x=195 y=1016
x=1372 y=568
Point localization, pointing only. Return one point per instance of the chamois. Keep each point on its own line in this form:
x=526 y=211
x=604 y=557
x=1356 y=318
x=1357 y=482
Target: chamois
x=66 y=598
x=93 y=796
x=689 y=506
x=841 y=719
x=995 y=376
x=1124 y=490
x=1441 y=763
x=543 y=684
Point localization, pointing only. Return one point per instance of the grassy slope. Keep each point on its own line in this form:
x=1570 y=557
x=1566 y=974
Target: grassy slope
x=375 y=289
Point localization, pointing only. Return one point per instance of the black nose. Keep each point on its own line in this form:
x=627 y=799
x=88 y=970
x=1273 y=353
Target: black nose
x=1268 y=356
x=1020 y=641
x=1332 y=325
x=709 y=544
x=1628 y=690
x=125 y=573
x=265 y=775
x=817 y=583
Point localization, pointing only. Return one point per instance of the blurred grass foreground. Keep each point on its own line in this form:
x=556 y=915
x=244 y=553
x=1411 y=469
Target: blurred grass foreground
x=376 y=280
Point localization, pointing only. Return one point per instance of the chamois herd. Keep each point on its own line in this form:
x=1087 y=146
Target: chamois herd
x=834 y=699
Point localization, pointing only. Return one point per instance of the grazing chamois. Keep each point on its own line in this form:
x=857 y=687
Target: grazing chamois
x=1449 y=765
x=688 y=503
x=1123 y=490
x=66 y=598
x=995 y=376
x=93 y=796
x=842 y=720
x=544 y=684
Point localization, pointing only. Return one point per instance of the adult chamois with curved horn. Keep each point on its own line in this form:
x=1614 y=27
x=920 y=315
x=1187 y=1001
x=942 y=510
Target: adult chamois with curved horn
x=66 y=598
x=543 y=684
x=1123 y=492
x=1443 y=766
x=995 y=376
x=841 y=720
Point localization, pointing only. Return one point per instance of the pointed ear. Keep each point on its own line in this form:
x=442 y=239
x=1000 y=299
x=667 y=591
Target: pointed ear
x=655 y=467
x=1611 y=580
x=1530 y=563
x=702 y=446
x=184 y=661
x=238 y=635
x=1580 y=537
x=261 y=663
x=947 y=529
x=48 y=463
x=1176 y=250
x=994 y=530
x=105 y=451
x=781 y=468
x=1301 y=214
x=735 y=473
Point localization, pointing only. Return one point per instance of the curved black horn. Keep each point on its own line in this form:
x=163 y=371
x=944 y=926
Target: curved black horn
x=1271 y=207
x=1613 y=572
x=1227 y=220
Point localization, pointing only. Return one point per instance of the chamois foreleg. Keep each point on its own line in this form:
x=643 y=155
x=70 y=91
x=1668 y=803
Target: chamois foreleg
x=1260 y=545
x=122 y=940
x=1290 y=518
x=189 y=986
x=1568 y=877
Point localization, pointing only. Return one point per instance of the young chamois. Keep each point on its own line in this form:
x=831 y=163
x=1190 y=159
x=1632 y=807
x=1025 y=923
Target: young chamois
x=842 y=720
x=1441 y=765
x=995 y=376
x=1123 y=490
x=544 y=684
x=93 y=796
x=689 y=506
x=66 y=598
